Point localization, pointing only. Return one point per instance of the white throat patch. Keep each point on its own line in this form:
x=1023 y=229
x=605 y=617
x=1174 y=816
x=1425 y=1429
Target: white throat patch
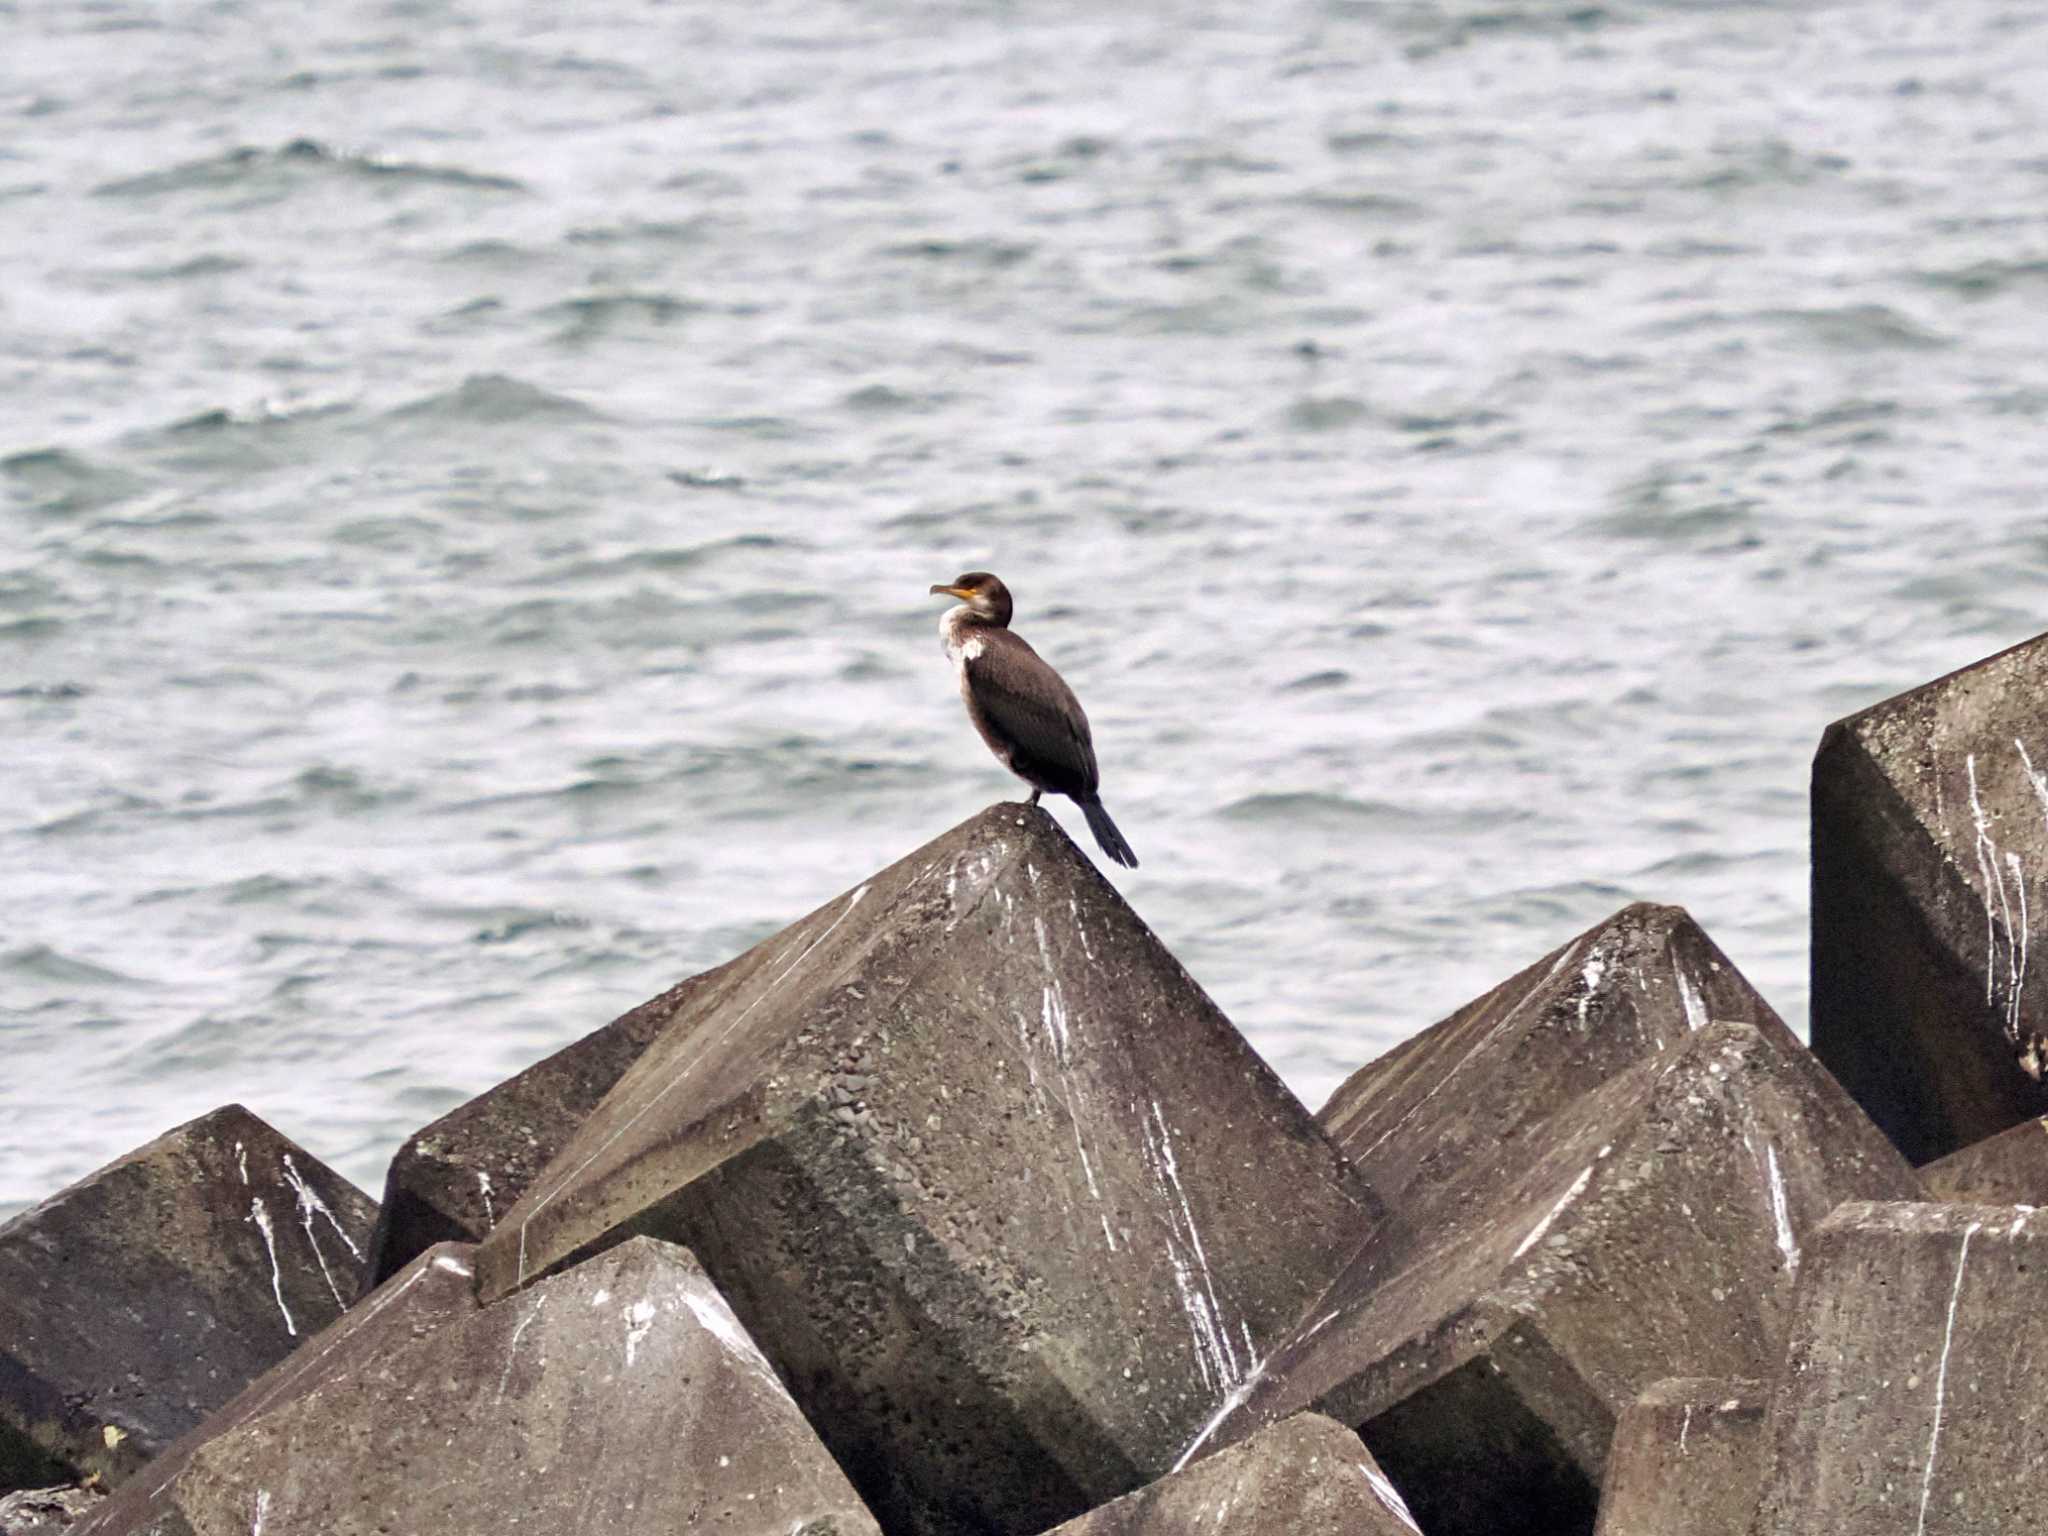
x=959 y=651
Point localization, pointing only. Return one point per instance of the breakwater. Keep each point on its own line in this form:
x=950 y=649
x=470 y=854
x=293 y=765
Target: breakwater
x=957 y=1206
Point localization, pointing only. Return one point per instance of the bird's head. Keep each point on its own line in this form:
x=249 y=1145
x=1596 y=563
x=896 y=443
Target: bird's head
x=985 y=596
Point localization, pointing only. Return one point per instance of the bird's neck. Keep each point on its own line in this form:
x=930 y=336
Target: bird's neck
x=963 y=619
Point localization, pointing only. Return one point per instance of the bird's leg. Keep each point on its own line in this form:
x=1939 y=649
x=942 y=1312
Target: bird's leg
x=1034 y=797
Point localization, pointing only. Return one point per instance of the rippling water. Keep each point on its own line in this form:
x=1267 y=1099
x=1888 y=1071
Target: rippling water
x=470 y=473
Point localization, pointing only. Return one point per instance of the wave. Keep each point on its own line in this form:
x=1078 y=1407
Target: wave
x=260 y=436
x=63 y=483
x=583 y=319
x=1986 y=279
x=1859 y=328
x=985 y=254
x=500 y=924
x=883 y=400
x=1326 y=810
x=278 y=169
x=39 y=962
x=493 y=399
x=664 y=561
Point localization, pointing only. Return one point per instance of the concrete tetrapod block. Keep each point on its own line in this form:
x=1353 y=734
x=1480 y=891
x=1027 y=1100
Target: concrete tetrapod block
x=621 y=1396
x=2010 y=1168
x=1910 y=1401
x=1006 y=1198
x=1930 y=840
x=1652 y=1230
x=147 y=1294
x=1686 y=1460
x=436 y=1288
x=450 y=1181
x=1490 y=1076
x=1305 y=1476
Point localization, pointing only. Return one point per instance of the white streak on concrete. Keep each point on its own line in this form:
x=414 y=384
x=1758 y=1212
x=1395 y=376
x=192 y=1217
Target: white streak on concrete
x=1984 y=868
x=2019 y=975
x=1595 y=968
x=1057 y=1025
x=1232 y=1401
x=2039 y=782
x=716 y=1318
x=1215 y=1351
x=1781 y=1213
x=1684 y=1428
x=1571 y=953
x=453 y=1266
x=304 y=1364
x=309 y=1200
x=1536 y=1232
x=1172 y=1167
x=242 y=1160
x=639 y=1322
x=1237 y=1396
x=696 y=1057
x=603 y=1295
x=1030 y=1058
x=1088 y=1169
x=1080 y=928
x=1996 y=904
x=1210 y=1344
x=512 y=1348
x=310 y=1206
x=262 y=1512
x=1384 y=1490
x=261 y=1217
x=1053 y=1011
x=483 y=1183
x=1948 y=1338
x=1695 y=1005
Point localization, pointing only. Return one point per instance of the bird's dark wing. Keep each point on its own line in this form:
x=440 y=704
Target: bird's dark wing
x=1026 y=711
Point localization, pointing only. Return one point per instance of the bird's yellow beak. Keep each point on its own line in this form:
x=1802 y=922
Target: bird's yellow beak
x=960 y=592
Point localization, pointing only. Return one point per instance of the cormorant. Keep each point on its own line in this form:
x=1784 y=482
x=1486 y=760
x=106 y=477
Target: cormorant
x=1027 y=715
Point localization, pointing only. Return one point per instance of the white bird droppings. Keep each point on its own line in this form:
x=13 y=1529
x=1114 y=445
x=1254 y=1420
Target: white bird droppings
x=1948 y=1339
x=261 y=1217
x=639 y=1320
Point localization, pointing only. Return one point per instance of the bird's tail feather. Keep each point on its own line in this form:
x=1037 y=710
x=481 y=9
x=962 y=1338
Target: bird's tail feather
x=1106 y=834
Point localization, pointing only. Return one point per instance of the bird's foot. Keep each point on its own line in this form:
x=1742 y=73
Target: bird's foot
x=1034 y=797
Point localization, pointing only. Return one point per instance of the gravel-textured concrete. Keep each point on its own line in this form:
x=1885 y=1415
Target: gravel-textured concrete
x=149 y=1293
x=436 y=1288
x=1652 y=1230
x=1910 y=1402
x=620 y=1396
x=2010 y=1168
x=1007 y=1199
x=1686 y=1460
x=1930 y=840
x=46 y=1511
x=452 y=1180
x=1305 y=1476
